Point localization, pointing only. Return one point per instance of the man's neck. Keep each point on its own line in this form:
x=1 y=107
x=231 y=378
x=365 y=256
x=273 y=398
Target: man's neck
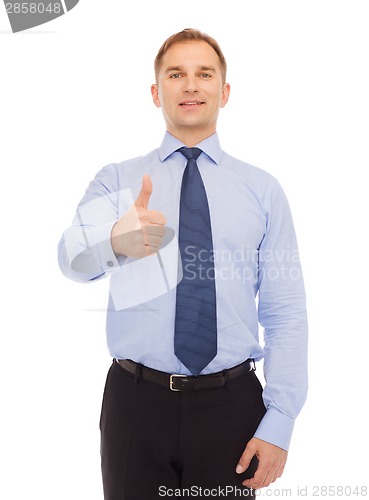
x=190 y=138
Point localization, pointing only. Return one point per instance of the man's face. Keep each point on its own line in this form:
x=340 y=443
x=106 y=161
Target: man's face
x=190 y=90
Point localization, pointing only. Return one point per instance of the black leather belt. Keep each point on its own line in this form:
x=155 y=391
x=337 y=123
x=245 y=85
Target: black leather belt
x=186 y=383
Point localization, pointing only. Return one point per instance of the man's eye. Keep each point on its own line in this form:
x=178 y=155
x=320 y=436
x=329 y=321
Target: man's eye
x=205 y=75
x=175 y=75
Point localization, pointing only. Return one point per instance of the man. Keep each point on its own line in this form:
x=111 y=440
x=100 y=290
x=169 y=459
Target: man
x=182 y=407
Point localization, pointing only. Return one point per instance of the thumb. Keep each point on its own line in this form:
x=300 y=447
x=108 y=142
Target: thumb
x=145 y=193
x=245 y=459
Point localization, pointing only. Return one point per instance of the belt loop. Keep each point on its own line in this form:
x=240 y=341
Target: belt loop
x=226 y=378
x=138 y=372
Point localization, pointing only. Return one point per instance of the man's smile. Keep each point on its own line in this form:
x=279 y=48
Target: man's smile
x=191 y=104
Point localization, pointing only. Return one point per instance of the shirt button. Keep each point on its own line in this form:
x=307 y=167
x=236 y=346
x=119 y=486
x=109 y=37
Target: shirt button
x=110 y=263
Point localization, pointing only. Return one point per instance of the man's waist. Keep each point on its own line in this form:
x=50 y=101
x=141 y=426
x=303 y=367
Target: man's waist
x=186 y=383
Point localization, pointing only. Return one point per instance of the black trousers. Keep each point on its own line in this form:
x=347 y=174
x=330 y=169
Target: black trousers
x=156 y=442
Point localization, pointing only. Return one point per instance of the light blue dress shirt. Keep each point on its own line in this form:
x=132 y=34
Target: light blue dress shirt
x=256 y=269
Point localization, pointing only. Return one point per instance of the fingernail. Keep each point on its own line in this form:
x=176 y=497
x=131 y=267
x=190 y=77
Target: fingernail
x=239 y=469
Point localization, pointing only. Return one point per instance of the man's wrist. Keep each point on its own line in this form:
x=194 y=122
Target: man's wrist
x=276 y=428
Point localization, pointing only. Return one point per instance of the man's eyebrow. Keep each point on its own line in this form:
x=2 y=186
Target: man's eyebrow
x=208 y=68
x=180 y=68
x=173 y=68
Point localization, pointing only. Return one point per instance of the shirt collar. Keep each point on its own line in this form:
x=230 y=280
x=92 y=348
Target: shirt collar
x=210 y=146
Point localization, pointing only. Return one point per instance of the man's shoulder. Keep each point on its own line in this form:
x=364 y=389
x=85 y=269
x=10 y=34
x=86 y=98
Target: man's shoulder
x=139 y=160
x=247 y=170
x=130 y=165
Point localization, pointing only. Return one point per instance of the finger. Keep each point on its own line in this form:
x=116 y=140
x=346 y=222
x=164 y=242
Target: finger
x=260 y=476
x=261 y=480
x=154 y=230
x=153 y=236
x=145 y=193
x=258 y=481
x=281 y=470
x=152 y=217
x=263 y=477
x=152 y=245
x=153 y=241
x=278 y=473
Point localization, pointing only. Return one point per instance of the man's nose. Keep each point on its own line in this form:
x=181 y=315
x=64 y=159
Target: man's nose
x=190 y=84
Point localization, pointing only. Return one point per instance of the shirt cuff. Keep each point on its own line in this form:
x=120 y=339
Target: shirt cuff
x=99 y=239
x=276 y=428
x=89 y=251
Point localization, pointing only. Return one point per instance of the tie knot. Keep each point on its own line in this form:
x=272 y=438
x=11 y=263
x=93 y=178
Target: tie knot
x=190 y=153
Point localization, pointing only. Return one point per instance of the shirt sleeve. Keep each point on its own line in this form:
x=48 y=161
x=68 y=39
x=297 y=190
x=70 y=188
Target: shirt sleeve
x=282 y=313
x=84 y=251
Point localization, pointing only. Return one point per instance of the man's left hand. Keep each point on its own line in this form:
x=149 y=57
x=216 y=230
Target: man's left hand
x=272 y=460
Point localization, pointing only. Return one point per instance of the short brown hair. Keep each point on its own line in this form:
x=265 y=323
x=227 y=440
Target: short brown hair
x=189 y=35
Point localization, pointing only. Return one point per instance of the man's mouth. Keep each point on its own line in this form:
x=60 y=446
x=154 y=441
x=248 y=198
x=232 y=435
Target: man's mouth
x=191 y=103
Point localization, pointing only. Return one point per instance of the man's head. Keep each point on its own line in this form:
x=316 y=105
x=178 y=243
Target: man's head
x=190 y=87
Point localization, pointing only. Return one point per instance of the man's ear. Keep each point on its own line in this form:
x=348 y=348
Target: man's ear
x=225 y=94
x=155 y=95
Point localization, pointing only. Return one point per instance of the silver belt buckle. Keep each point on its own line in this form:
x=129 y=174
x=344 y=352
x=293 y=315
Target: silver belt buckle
x=171 y=381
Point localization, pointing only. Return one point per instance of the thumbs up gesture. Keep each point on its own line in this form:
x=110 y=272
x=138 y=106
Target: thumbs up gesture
x=140 y=231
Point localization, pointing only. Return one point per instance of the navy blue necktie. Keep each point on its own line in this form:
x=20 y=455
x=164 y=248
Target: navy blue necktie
x=195 y=340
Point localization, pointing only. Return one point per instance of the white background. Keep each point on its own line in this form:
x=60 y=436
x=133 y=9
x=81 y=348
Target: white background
x=75 y=96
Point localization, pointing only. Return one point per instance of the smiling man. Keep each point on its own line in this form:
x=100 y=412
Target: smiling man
x=183 y=411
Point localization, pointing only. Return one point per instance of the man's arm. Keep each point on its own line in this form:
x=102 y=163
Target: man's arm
x=93 y=246
x=282 y=313
x=84 y=250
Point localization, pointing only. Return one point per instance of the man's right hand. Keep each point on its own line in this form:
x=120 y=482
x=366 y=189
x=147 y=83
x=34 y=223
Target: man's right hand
x=140 y=231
